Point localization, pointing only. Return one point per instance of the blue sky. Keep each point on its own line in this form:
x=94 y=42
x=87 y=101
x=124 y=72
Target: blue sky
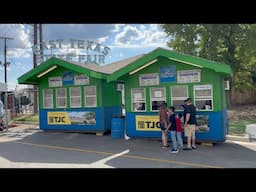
x=124 y=40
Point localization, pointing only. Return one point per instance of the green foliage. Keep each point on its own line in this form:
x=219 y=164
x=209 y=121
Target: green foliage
x=238 y=127
x=233 y=44
x=27 y=118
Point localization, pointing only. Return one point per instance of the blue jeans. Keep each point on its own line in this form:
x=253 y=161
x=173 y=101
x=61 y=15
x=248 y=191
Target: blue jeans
x=179 y=139
x=174 y=141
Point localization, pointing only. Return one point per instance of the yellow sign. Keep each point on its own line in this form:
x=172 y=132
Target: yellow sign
x=58 y=118
x=147 y=123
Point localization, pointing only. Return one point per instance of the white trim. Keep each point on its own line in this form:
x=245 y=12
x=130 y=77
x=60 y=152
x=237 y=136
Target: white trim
x=47 y=71
x=142 y=67
x=186 y=62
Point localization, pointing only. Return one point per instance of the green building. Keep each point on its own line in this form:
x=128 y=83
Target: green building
x=75 y=96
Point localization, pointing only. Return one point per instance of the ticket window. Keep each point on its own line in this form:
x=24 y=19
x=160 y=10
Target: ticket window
x=75 y=97
x=48 y=98
x=61 y=98
x=90 y=96
x=203 y=97
x=157 y=96
x=179 y=94
x=138 y=99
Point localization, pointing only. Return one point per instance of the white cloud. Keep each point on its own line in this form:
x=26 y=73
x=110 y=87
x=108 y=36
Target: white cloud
x=19 y=46
x=20 y=53
x=19 y=33
x=103 y=39
x=118 y=27
x=142 y=36
x=128 y=35
x=77 y=31
x=142 y=27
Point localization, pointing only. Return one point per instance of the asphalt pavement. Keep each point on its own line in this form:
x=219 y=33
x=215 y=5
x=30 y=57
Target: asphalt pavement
x=26 y=146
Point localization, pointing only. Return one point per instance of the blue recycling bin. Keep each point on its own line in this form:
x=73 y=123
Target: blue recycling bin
x=117 y=130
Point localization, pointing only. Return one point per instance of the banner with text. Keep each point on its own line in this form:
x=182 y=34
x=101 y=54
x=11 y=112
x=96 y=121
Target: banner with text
x=147 y=123
x=71 y=118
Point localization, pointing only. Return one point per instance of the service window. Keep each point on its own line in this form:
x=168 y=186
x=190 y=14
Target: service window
x=90 y=96
x=157 y=96
x=48 y=98
x=61 y=98
x=75 y=97
x=179 y=94
x=203 y=97
x=138 y=99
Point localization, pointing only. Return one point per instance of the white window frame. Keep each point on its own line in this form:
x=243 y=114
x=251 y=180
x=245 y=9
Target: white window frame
x=61 y=97
x=44 y=98
x=88 y=96
x=142 y=100
x=178 y=98
x=163 y=98
x=203 y=98
x=74 y=96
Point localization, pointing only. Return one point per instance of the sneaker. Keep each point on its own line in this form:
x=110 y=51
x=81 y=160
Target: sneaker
x=174 y=151
x=193 y=147
x=187 y=148
x=165 y=146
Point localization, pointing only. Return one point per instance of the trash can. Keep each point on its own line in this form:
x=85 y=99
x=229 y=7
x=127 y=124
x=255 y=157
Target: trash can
x=117 y=130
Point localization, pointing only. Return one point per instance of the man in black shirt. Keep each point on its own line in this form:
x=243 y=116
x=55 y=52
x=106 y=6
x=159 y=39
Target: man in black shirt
x=190 y=124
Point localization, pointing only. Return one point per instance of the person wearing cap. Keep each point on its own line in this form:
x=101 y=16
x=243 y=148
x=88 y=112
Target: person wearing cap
x=190 y=124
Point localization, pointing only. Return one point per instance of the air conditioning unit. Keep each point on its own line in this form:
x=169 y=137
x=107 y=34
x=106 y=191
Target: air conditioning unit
x=226 y=85
x=119 y=86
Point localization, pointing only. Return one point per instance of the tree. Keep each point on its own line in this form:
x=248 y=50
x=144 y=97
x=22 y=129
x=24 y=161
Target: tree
x=233 y=44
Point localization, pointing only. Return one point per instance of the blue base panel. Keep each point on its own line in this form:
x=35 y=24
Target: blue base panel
x=80 y=119
x=214 y=127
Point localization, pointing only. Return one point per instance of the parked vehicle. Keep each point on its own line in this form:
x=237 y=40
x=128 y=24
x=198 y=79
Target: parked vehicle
x=2 y=114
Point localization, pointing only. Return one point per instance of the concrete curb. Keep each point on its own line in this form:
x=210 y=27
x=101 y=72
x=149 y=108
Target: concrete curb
x=244 y=138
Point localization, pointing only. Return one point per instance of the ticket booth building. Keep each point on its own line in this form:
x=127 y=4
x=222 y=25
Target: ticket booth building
x=74 y=96
x=164 y=75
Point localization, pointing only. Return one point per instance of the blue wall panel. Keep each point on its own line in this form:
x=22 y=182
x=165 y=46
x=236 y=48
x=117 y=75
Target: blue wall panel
x=103 y=119
x=216 y=122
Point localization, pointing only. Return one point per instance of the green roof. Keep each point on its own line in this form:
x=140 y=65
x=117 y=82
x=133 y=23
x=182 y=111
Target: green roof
x=31 y=77
x=151 y=57
x=115 y=70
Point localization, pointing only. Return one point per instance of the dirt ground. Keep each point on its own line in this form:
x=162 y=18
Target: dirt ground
x=245 y=112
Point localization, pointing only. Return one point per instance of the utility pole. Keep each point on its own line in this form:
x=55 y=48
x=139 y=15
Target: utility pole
x=5 y=79
x=41 y=41
x=34 y=66
x=38 y=31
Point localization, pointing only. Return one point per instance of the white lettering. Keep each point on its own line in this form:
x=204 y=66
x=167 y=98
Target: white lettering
x=95 y=51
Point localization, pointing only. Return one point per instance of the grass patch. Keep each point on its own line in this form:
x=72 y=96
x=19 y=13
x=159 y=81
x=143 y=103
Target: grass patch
x=27 y=118
x=238 y=127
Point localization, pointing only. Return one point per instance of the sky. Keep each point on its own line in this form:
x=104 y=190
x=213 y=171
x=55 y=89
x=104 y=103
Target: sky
x=123 y=41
